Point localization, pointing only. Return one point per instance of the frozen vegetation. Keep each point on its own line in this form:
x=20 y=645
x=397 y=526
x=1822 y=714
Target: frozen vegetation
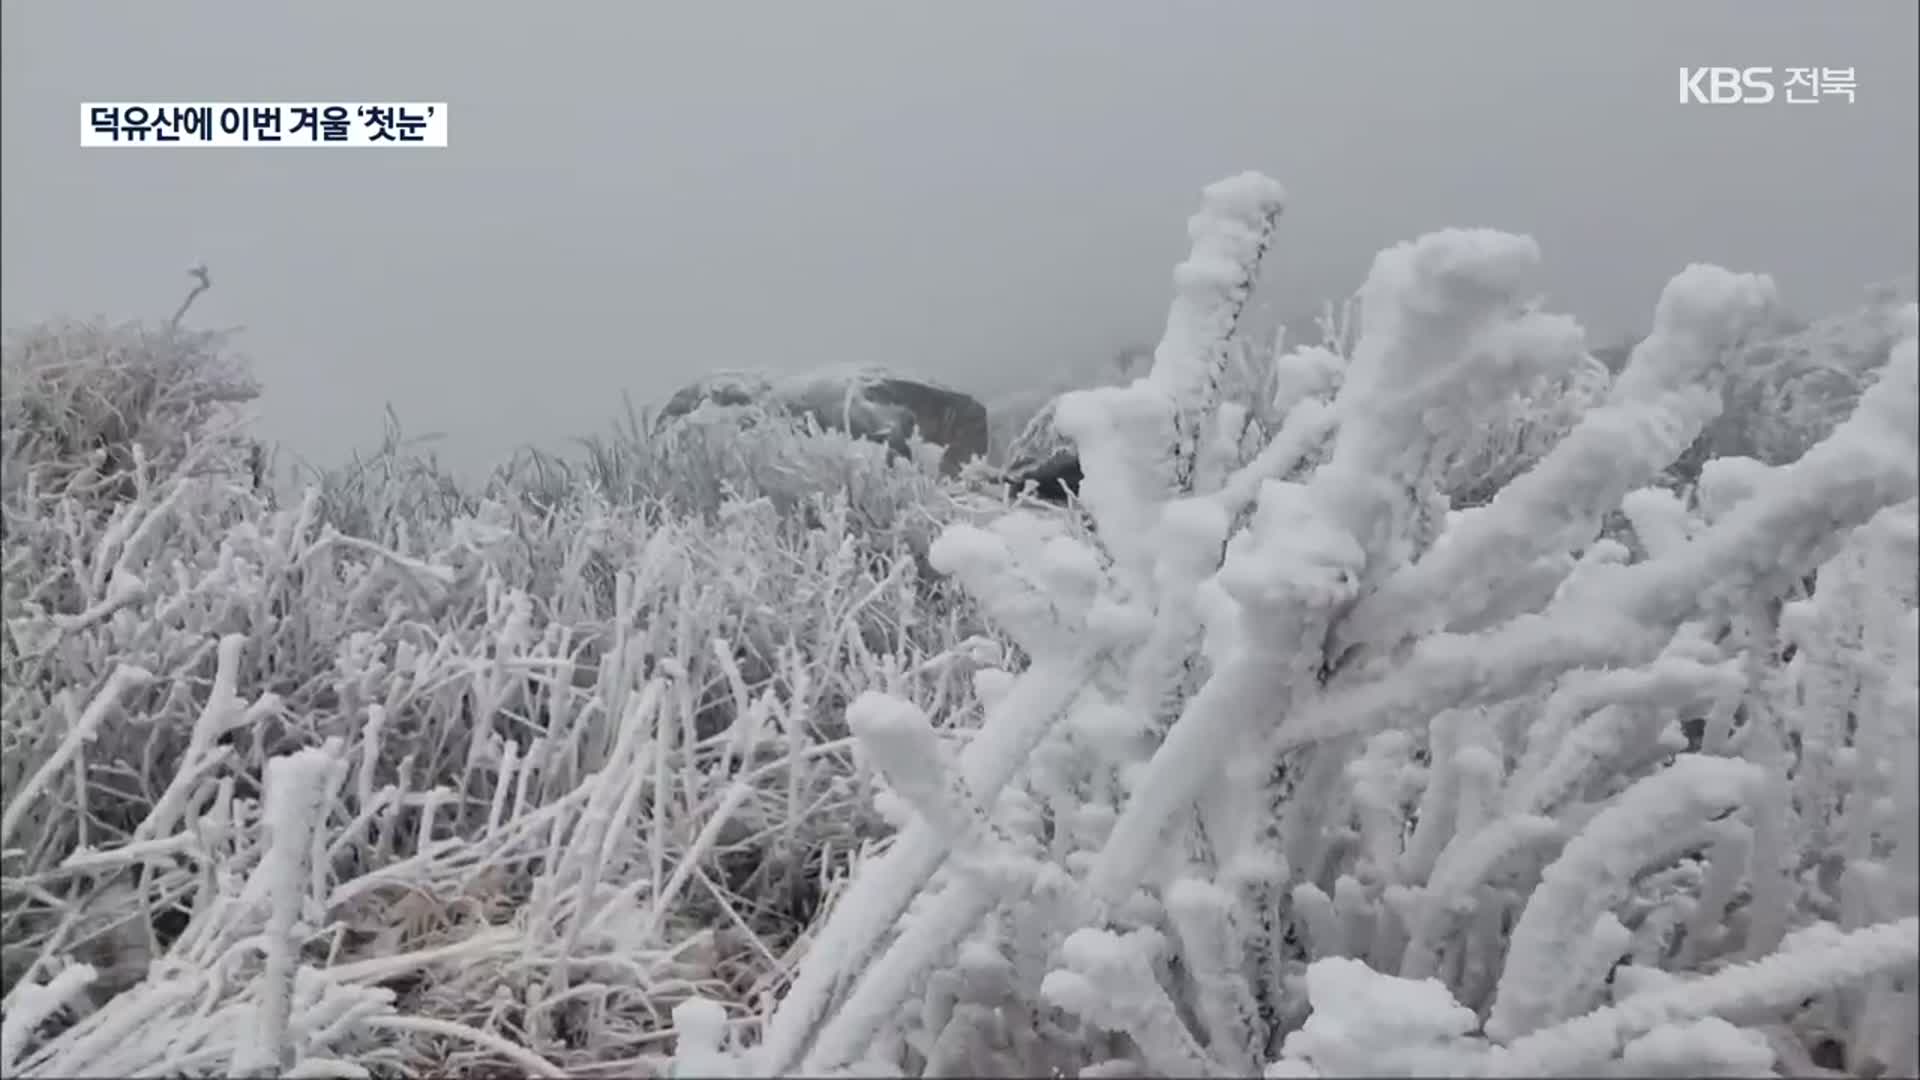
x=1427 y=700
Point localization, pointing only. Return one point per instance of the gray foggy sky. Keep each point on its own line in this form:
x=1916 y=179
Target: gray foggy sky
x=639 y=192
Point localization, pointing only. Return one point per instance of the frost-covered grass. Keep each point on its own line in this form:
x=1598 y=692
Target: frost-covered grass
x=1392 y=705
x=573 y=745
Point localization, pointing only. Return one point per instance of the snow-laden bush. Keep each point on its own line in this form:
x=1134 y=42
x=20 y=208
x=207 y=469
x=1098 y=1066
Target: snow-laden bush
x=1314 y=773
x=79 y=399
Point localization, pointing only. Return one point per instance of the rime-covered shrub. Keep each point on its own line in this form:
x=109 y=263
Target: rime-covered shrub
x=1321 y=769
x=78 y=401
x=1261 y=381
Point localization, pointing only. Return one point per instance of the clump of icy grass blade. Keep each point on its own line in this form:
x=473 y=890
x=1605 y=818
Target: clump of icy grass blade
x=280 y=1015
x=1319 y=771
x=580 y=745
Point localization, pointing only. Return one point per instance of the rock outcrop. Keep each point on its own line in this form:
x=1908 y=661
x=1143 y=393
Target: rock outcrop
x=865 y=403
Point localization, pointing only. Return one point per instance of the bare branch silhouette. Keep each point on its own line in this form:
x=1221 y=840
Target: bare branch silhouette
x=201 y=283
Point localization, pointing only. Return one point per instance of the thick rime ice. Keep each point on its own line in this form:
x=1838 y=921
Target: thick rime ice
x=1368 y=783
x=1432 y=699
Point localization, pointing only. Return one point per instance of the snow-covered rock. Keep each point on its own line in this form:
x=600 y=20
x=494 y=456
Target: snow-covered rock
x=867 y=403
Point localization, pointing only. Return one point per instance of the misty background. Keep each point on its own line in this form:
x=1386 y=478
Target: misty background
x=989 y=193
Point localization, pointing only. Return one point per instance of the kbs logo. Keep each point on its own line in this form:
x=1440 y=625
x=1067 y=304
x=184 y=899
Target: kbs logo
x=1726 y=86
x=1758 y=86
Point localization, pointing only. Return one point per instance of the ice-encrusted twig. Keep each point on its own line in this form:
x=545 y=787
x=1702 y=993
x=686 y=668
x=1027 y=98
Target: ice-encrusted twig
x=295 y=785
x=32 y=1004
x=1646 y=822
x=884 y=887
x=125 y=677
x=1775 y=983
x=1138 y=444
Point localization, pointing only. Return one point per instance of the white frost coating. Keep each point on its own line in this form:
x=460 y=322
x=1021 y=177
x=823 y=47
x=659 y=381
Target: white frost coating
x=1659 y=519
x=1138 y=444
x=1072 y=563
x=1289 y=552
x=1462 y=869
x=1779 y=982
x=1114 y=731
x=1306 y=427
x=1095 y=950
x=700 y=1035
x=1868 y=463
x=1457 y=739
x=1558 y=760
x=1366 y=1023
x=961 y=546
x=1441 y=274
x=1070 y=990
x=34 y=1003
x=1561 y=661
x=1117 y=991
x=1192 y=532
x=990 y=685
x=698 y=1022
x=1556 y=506
x=1726 y=482
x=1528 y=350
x=914 y=761
x=1593 y=871
x=1287 y=572
x=1707 y=1047
x=893 y=727
x=927 y=935
x=1703 y=305
x=1411 y=382
x=1245 y=196
x=295 y=785
x=884 y=887
x=1027 y=575
x=1215 y=954
x=1452 y=280
x=1586 y=984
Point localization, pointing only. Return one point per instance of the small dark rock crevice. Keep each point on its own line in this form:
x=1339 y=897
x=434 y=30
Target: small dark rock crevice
x=1056 y=480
